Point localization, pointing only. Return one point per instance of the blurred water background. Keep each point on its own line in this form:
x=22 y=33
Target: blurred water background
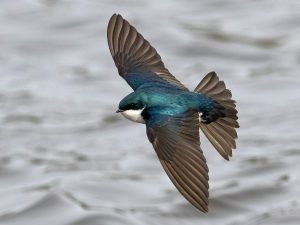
x=67 y=159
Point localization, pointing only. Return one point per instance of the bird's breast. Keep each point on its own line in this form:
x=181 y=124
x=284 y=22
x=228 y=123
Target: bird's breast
x=134 y=115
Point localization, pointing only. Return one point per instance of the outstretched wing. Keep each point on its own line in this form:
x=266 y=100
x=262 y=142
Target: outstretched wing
x=137 y=61
x=176 y=142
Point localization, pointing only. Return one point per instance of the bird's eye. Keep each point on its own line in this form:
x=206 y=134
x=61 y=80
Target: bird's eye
x=133 y=105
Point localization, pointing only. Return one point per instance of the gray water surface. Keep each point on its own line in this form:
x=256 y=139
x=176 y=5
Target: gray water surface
x=67 y=159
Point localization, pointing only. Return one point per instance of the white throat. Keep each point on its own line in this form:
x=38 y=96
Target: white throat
x=134 y=115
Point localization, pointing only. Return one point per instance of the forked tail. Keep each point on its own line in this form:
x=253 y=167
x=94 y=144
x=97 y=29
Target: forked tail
x=219 y=126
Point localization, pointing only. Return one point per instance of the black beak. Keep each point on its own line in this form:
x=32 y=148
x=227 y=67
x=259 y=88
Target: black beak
x=119 y=110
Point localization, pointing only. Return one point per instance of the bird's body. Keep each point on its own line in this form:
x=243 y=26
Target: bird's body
x=170 y=101
x=171 y=112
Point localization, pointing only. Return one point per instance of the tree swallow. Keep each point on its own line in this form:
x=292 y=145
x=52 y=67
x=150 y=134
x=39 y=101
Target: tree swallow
x=171 y=112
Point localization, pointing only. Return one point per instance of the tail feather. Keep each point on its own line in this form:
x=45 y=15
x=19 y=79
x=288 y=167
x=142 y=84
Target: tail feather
x=220 y=128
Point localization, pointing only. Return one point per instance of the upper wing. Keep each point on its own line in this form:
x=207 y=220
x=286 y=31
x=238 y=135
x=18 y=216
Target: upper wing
x=176 y=142
x=137 y=61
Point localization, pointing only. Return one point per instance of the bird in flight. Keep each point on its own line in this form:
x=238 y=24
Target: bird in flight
x=173 y=114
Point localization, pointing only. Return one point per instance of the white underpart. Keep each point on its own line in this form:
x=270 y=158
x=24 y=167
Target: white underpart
x=200 y=114
x=134 y=115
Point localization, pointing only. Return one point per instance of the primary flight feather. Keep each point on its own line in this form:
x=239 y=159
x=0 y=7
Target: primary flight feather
x=171 y=112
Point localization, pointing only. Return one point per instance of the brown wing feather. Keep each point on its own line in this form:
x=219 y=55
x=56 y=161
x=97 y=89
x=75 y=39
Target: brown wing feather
x=177 y=145
x=131 y=51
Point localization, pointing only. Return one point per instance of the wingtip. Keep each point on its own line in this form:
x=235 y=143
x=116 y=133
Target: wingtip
x=205 y=209
x=212 y=73
x=114 y=18
x=202 y=208
x=114 y=15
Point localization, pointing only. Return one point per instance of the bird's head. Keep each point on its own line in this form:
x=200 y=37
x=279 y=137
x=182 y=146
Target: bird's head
x=132 y=107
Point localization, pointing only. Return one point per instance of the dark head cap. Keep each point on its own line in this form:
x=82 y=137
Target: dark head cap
x=131 y=101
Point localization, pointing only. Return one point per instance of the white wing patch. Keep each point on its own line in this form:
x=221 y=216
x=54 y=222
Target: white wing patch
x=134 y=115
